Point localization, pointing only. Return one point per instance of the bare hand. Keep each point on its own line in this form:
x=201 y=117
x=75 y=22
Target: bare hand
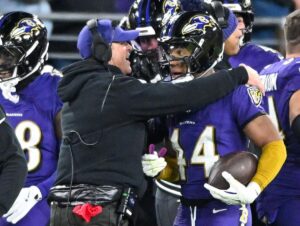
x=254 y=78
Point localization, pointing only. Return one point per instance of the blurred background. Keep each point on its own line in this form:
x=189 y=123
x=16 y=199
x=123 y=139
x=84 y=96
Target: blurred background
x=65 y=18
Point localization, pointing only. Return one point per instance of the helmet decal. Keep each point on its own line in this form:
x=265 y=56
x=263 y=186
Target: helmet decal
x=171 y=5
x=199 y=23
x=26 y=28
x=169 y=8
x=155 y=13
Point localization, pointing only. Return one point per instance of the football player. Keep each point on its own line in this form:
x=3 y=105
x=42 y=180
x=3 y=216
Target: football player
x=194 y=44
x=256 y=56
x=149 y=16
x=278 y=205
x=168 y=191
x=29 y=97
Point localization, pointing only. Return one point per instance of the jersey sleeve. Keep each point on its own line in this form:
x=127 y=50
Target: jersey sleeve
x=48 y=99
x=247 y=104
x=57 y=103
x=148 y=100
x=293 y=83
x=52 y=106
x=45 y=185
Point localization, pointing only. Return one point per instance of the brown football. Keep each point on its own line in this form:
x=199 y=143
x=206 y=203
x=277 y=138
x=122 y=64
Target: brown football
x=241 y=165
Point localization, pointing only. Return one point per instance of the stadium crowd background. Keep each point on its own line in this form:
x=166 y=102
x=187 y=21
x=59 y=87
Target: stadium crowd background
x=64 y=19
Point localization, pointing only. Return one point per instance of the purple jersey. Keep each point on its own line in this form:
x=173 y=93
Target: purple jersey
x=33 y=118
x=281 y=80
x=201 y=137
x=255 y=56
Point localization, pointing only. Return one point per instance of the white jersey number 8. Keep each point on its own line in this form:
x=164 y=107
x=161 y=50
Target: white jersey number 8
x=29 y=135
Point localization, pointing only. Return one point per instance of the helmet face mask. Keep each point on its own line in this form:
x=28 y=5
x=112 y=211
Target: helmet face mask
x=145 y=64
x=147 y=43
x=196 y=34
x=179 y=43
x=10 y=58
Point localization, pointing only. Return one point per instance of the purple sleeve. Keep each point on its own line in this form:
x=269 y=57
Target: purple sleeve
x=57 y=103
x=294 y=84
x=263 y=56
x=46 y=185
x=246 y=104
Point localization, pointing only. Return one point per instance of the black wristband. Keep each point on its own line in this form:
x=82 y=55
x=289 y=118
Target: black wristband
x=241 y=73
x=296 y=127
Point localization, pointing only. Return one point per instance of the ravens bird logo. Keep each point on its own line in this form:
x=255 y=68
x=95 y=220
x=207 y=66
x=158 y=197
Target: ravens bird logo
x=199 y=23
x=25 y=29
x=170 y=7
x=255 y=95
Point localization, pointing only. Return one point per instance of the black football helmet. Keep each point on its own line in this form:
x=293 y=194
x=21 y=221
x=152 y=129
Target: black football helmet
x=23 y=46
x=197 y=32
x=244 y=9
x=150 y=15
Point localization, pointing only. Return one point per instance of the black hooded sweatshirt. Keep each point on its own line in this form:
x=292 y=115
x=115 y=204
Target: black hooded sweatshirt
x=104 y=119
x=13 y=165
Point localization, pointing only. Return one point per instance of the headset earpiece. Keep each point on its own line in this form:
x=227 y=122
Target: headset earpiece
x=101 y=50
x=220 y=14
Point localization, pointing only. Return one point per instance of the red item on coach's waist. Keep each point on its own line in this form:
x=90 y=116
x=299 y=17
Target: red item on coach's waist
x=87 y=211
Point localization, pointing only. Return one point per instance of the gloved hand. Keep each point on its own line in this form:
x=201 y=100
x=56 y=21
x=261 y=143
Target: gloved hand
x=26 y=199
x=153 y=162
x=9 y=90
x=237 y=193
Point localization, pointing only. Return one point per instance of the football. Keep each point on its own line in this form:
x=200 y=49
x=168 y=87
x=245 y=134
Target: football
x=241 y=165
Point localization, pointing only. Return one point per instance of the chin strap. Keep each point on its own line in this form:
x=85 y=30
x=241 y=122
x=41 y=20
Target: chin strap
x=9 y=90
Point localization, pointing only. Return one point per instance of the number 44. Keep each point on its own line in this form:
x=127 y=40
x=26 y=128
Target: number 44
x=204 y=152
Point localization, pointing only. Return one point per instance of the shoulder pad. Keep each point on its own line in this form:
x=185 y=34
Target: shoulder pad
x=268 y=49
x=51 y=70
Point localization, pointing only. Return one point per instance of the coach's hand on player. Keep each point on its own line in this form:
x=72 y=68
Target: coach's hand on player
x=25 y=201
x=254 y=79
x=154 y=162
x=237 y=193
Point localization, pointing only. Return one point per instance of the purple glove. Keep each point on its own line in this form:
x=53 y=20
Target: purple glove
x=154 y=162
x=162 y=152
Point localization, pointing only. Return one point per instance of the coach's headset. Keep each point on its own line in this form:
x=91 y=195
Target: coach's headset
x=220 y=13
x=101 y=50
